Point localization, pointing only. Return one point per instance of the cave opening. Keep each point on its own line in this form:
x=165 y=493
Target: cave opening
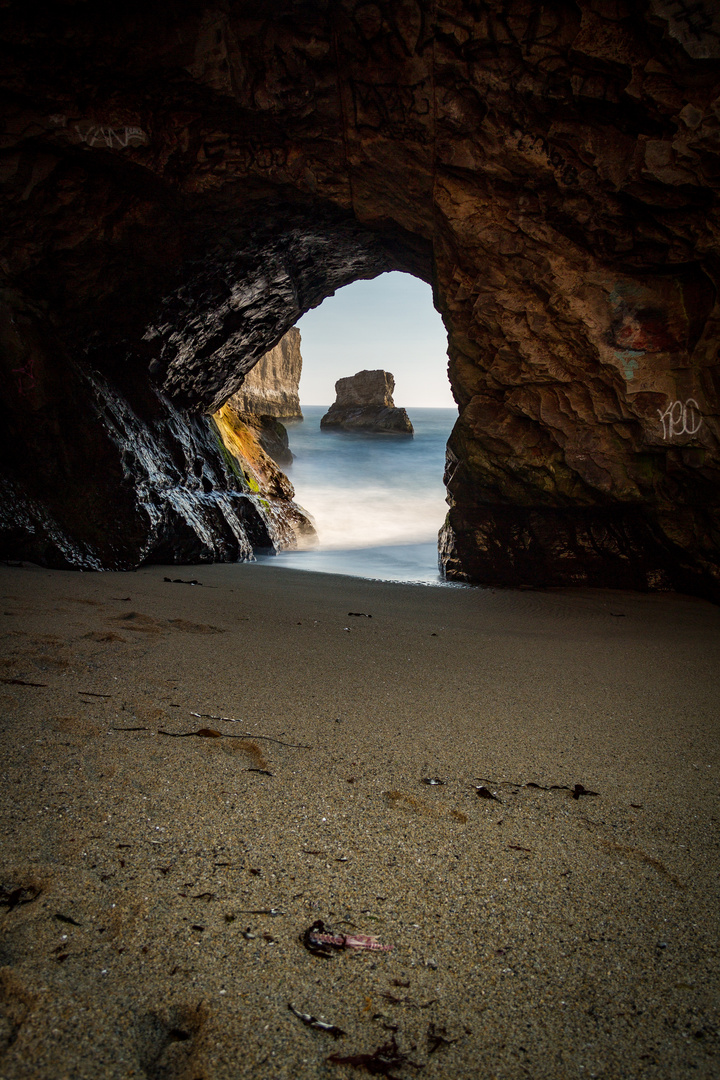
x=375 y=495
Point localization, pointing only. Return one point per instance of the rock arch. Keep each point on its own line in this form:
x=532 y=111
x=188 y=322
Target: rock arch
x=182 y=181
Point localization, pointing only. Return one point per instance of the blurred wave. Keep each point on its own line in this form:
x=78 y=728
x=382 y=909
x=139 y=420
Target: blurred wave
x=371 y=496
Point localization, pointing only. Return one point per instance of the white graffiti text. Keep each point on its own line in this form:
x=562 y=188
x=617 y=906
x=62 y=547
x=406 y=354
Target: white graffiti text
x=680 y=419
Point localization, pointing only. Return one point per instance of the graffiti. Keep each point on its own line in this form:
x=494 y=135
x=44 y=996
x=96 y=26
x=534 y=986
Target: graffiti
x=629 y=358
x=111 y=138
x=380 y=104
x=680 y=419
x=266 y=157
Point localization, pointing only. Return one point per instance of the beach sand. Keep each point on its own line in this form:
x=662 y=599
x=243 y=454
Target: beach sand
x=533 y=934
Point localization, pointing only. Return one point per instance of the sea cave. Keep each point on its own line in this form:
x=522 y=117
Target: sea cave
x=181 y=184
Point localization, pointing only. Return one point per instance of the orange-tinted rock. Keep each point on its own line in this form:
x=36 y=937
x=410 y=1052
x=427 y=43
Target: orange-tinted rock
x=244 y=437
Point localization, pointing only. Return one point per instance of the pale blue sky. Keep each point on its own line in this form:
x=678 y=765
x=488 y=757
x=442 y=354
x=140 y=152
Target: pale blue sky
x=388 y=323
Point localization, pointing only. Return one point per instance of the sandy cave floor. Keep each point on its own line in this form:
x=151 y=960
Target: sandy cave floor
x=534 y=934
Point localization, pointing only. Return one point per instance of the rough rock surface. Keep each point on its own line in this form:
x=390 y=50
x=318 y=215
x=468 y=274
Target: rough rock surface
x=248 y=440
x=364 y=402
x=181 y=184
x=272 y=387
x=365 y=388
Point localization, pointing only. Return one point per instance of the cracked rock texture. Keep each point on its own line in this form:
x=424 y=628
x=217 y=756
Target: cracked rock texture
x=364 y=402
x=181 y=183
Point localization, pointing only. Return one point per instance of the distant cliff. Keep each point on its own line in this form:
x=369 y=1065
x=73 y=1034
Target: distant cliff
x=271 y=388
x=364 y=402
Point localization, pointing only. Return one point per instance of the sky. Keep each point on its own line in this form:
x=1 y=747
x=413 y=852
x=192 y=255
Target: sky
x=387 y=323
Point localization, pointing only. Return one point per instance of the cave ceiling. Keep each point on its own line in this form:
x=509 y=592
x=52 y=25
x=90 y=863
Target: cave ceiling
x=181 y=182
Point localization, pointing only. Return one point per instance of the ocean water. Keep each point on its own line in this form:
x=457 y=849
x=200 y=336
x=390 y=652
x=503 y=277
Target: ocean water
x=377 y=501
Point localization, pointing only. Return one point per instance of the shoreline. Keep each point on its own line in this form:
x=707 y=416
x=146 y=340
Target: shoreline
x=532 y=932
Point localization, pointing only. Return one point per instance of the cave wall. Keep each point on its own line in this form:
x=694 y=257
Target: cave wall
x=181 y=182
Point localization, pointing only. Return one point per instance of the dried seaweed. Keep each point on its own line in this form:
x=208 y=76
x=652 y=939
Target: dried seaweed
x=22 y=682
x=384 y=1020
x=66 y=919
x=380 y=1062
x=260 y=911
x=204 y=733
x=248 y=734
x=579 y=790
x=318 y=1025
x=638 y=853
x=485 y=793
x=575 y=791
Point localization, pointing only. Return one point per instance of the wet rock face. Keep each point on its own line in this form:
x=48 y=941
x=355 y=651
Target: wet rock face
x=254 y=445
x=364 y=402
x=148 y=484
x=272 y=387
x=181 y=184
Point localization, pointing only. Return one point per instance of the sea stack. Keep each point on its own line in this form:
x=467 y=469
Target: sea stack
x=364 y=402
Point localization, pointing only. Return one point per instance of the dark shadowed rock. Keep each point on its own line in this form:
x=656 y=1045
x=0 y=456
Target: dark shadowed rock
x=274 y=440
x=364 y=402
